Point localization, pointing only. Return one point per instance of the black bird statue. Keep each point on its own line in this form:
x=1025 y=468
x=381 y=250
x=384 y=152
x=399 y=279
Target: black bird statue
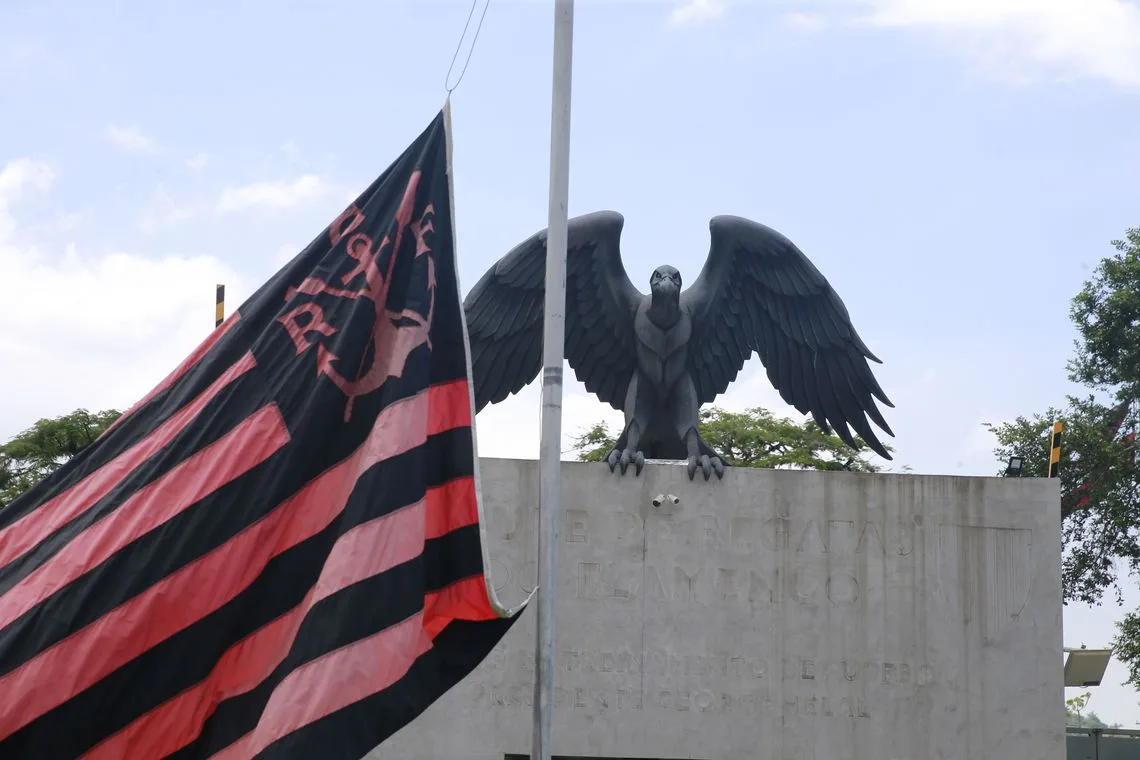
x=659 y=357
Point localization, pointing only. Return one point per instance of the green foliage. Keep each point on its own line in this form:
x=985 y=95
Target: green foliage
x=754 y=438
x=1086 y=720
x=1074 y=706
x=1103 y=529
x=41 y=449
x=594 y=444
x=1127 y=645
x=1100 y=479
x=1075 y=714
x=1107 y=315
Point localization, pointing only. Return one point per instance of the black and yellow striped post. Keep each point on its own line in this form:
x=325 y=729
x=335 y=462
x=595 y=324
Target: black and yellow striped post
x=220 y=305
x=1055 y=450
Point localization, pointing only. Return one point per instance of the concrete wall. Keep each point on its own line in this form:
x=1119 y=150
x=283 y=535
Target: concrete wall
x=773 y=616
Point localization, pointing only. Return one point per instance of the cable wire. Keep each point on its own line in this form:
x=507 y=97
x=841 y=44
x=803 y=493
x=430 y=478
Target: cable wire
x=459 y=46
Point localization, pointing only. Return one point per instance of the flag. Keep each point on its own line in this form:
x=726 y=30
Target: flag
x=277 y=552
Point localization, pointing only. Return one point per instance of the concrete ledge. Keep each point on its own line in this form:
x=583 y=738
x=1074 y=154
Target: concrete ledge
x=774 y=615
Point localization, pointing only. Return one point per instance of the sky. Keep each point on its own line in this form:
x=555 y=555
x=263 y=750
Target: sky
x=956 y=168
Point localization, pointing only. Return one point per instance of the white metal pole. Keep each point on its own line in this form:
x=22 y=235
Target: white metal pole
x=554 y=321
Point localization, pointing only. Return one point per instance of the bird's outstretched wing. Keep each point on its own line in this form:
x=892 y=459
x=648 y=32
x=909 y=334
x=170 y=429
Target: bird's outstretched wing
x=504 y=313
x=758 y=292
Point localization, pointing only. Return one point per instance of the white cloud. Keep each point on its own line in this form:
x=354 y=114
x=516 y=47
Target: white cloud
x=1026 y=40
x=285 y=254
x=804 y=21
x=163 y=212
x=277 y=195
x=68 y=222
x=16 y=179
x=92 y=331
x=198 y=162
x=696 y=12
x=98 y=332
x=130 y=139
x=752 y=388
x=22 y=173
x=510 y=429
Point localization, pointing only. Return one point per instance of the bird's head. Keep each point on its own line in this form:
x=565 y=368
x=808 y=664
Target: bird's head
x=665 y=281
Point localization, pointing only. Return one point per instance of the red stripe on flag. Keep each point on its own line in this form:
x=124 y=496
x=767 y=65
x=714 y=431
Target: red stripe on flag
x=205 y=585
x=247 y=445
x=332 y=682
x=363 y=552
x=451 y=506
x=186 y=365
x=22 y=535
x=464 y=600
x=450 y=407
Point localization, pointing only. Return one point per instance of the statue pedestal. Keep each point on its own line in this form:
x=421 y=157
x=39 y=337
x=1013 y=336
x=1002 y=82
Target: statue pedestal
x=774 y=615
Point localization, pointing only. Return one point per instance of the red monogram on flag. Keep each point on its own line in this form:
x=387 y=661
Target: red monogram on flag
x=395 y=334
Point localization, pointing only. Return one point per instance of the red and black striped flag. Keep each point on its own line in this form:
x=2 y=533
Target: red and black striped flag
x=277 y=552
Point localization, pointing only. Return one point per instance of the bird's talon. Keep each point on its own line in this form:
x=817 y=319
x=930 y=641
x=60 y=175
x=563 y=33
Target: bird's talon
x=707 y=464
x=624 y=458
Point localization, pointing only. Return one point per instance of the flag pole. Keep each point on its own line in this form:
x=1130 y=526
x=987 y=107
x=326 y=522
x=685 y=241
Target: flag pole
x=553 y=338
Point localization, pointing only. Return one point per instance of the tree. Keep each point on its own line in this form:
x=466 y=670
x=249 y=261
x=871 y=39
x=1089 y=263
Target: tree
x=595 y=443
x=1100 y=508
x=41 y=449
x=1100 y=478
x=1107 y=315
x=754 y=438
x=1076 y=716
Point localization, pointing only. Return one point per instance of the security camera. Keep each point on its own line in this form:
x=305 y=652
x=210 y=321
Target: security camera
x=674 y=499
x=658 y=499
